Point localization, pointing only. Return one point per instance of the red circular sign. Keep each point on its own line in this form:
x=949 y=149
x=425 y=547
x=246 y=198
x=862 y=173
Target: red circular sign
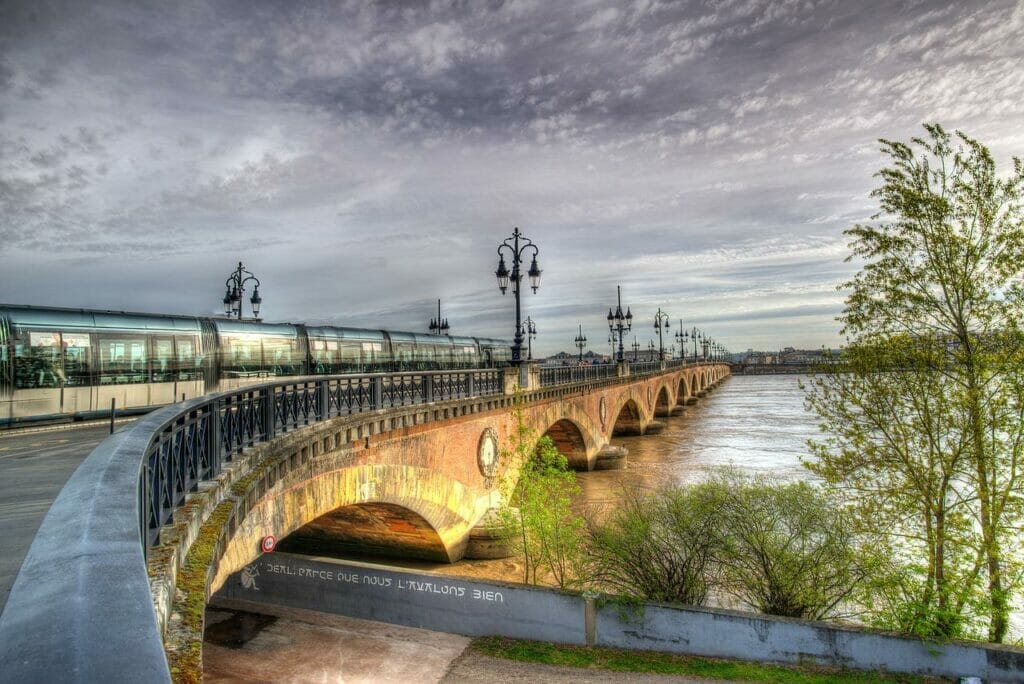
x=268 y=543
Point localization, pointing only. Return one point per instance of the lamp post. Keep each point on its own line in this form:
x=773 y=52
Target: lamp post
x=692 y=335
x=439 y=326
x=619 y=324
x=504 y=276
x=531 y=334
x=581 y=342
x=650 y=350
x=636 y=350
x=681 y=338
x=235 y=288
x=661 y=324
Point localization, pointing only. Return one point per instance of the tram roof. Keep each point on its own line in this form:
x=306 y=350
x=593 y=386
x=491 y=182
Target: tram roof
x=78 y=319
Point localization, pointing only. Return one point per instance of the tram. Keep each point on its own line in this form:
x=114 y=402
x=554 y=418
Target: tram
x=71 y=364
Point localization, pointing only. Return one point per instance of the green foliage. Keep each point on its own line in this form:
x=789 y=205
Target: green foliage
x=657 y=547
x=541 y=524
x=781 y=548
x=784 y=547
x=924 y=417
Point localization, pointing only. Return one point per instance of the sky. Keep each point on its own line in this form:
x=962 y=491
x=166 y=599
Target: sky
x=364 y=159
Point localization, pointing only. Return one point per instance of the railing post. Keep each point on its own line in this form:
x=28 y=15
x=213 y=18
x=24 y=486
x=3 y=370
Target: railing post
x=471 y=384
x=427 y=383
x=213 y=438
x=322 y=387
x=377 y=394
x=267 y=402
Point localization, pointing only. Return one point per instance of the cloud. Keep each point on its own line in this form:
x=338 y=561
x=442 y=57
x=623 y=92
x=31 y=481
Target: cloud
x=367 y=158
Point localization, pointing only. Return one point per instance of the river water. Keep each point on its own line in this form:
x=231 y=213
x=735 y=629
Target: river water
x=756 y=423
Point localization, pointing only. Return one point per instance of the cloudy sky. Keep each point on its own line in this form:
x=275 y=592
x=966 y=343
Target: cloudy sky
x=365 y=159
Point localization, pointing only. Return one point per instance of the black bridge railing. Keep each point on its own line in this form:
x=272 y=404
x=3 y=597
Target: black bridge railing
x=564 y=375
x=196 y=443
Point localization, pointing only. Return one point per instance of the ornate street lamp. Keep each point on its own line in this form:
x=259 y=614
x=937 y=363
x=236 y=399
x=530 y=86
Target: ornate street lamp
x=695 y=336
x=531 y=335
x=235 y=288
x=439 y=326
x=636 y=350
x=661 y=324
x=619 y=324
x=650 y=350
x=581 y=342
x=504 y=276
x=681 y=339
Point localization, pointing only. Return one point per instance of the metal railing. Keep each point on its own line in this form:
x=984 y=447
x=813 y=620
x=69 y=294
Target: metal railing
x=194 y=445
x=644 y=367
x=565 y=375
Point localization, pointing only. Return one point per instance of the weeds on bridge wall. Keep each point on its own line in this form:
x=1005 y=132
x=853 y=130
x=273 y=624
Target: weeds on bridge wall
x=185 y=640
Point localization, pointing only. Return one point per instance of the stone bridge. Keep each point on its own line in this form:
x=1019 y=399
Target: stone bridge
x=415 y=485
x=407 y=466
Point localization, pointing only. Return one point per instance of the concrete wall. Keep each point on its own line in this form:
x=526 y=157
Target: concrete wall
x=430 y=601
x=476 y=608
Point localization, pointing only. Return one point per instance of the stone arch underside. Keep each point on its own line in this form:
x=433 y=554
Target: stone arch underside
x=663 y=405
x=683 y=390
x=628 y=421
x=374 y=529
x=446 y=506
x=570 y=442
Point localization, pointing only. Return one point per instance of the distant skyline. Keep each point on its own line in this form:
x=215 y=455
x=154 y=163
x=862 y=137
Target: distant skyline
x=365 y=159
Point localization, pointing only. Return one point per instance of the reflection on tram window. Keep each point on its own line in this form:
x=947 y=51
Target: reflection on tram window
x=76 y=359
x=122 y=359
x=163 y=358
x=280 y=355
x=189 y=361
x=37 y=361
x=242 y=355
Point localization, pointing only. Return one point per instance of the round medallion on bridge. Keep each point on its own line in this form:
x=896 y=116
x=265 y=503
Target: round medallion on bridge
x=487 y=453
x=602 y=409
x=268 y=543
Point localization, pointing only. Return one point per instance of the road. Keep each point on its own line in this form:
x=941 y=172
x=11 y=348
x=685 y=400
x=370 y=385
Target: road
x=34 y=465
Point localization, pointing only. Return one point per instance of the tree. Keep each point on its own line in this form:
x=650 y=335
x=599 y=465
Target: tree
x=941 y=280
x=541 y=524
x=785 y=548
x=658 y=546
x=896 y=450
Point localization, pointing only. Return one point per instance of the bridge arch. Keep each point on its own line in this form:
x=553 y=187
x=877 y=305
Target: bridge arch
x=664 y=402
x=438 y=504
x=694 y=385
x=683 y=389
x=574 y=433
x=630 y=417
x=374 y=528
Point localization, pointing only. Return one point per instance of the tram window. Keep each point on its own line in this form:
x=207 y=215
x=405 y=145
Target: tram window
x=37 y=361
x=163 y=358
x=122 y=359
x=76 y=359
x=323 y=355
x=242 y=355
x=189 y=360
x=279 y=354
x=372 y=357
x=348 y=357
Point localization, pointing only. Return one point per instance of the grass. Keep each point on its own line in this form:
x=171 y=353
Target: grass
x=619 y=660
